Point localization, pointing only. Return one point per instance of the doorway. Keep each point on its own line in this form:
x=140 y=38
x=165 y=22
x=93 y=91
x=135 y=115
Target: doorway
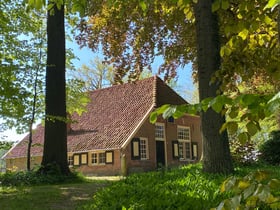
x=160 y=154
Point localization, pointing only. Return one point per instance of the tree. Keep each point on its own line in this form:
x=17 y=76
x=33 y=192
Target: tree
x=55 y=143
x=208 y=61
x=95 y=76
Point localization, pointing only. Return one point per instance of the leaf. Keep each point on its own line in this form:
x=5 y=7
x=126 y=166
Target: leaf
x=233 y=112
x=143 y=6
x=216 y=5
x=252 y=128
x=272 y=4
x=243 y=34
x=243 y=184
x=228 y=184
x=243 y=138
x=153 y=117
x=163 y=108
x=274 y=184
x=169 y=112
x=225 y=4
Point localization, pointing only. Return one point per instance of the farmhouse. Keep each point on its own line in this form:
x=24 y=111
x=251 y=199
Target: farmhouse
x=116 y=137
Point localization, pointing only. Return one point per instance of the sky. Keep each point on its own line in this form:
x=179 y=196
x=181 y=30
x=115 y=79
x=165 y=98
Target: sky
x=184 y=81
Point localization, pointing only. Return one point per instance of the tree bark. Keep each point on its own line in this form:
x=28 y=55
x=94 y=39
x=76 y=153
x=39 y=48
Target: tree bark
x=55 y=143
x=216 y=153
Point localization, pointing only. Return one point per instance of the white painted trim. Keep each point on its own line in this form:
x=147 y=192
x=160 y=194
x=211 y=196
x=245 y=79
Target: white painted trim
x=146 y=116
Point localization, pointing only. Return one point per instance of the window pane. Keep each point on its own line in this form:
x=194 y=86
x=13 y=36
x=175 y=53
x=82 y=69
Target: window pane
x=188 y=150
x=183 y=133
x=102 y=158
x=181 y=153
x=94 y=158
x=159 y=131
x=143 y=149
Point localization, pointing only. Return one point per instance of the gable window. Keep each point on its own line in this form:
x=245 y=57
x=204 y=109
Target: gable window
x=159 y=132
x=139 y=149
x=80 y=159
x=101 y=158
x=184 y=143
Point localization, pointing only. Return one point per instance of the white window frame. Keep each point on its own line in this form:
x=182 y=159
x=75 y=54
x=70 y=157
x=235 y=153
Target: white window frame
x=183 y=141
x=160 y=138
x=98 y=157
x=144 y=148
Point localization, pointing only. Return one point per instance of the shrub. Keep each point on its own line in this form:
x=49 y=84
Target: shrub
x=243 y=154
x=34 y=177
x=270 y=150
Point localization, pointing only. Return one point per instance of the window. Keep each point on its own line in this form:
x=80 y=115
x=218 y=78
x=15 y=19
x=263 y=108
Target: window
x=139 y=149
x=159 y=132
x=80 y=159
x=102 y=158
x=70 y=160
x=98 y=158
x=184 y=143
x=94 y=159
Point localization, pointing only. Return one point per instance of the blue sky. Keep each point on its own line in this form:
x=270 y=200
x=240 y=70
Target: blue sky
x=184 y=79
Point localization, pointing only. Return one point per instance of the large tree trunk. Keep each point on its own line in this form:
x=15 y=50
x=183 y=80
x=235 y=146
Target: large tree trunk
x=216 y=153
x=55 y=144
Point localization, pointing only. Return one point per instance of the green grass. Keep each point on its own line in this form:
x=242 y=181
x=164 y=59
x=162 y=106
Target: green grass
x=64 y=196
x=181 y=188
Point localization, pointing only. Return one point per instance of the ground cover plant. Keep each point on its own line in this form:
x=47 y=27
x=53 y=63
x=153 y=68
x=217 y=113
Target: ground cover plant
x=186 y=187
x=183 y=188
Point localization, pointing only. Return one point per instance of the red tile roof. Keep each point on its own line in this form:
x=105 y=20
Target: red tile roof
x=112 y=116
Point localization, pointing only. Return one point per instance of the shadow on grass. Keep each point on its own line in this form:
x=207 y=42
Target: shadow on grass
x=65 y=196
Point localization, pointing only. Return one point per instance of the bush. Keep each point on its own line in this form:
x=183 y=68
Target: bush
x=243 y=154
x=34 y=177
x=270 y=150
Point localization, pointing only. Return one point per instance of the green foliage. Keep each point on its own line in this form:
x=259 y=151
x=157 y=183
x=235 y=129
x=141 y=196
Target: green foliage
x=183 y=188
x=34 y=177
x=270 y=150
x=254 y=191
x=246 y=108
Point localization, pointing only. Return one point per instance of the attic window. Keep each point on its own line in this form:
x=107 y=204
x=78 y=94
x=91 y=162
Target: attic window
x=170 y=119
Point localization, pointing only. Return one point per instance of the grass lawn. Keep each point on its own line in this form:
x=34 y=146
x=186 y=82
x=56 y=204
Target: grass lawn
x=51 y=197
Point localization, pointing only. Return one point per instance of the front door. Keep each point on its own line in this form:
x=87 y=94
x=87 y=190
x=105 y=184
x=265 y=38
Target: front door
x=160 y=153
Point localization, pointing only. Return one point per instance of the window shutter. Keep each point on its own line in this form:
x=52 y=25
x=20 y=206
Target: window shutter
x=109 y=157
x=84 y=159
x=76 y=160
x=135 y=149
x=194 y=150
x=175 y=149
